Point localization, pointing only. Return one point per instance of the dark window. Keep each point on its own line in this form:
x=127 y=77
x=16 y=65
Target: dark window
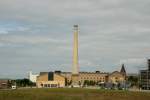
x=49 y=85
x=53 y=85
x=45 y=85
x=50 y=76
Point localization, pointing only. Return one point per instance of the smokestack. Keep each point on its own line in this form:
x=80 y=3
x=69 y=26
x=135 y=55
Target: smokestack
x=75 y=71
x=75 y=51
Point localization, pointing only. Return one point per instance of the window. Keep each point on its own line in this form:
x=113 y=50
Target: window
x=49 y=85
x=53 y=85
x=45 y=85
x=50 y=76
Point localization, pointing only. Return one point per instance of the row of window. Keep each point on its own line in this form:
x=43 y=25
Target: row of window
x=93 y=78
x=49 y=85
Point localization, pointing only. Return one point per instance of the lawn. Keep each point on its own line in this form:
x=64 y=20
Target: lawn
x=71 y=94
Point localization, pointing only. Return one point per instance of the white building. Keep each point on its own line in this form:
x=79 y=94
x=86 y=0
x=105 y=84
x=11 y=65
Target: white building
x=33 y=77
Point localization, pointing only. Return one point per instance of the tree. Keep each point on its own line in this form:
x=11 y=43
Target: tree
x=68 y=82
x=23 y=82
x=89 y=83
x=133 y=80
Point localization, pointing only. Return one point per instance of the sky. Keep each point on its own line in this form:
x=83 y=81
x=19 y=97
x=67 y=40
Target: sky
x=37 y=35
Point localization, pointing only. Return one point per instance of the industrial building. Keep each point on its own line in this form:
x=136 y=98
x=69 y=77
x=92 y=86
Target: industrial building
x=77 y=78
x=61 y=79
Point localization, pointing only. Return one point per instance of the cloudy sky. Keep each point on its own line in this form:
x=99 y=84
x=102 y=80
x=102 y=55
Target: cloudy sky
x=37 y=35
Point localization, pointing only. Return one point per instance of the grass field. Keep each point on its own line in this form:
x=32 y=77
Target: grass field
x=71 y=94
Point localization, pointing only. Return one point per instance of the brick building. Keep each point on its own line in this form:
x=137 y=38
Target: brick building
x=4 y=83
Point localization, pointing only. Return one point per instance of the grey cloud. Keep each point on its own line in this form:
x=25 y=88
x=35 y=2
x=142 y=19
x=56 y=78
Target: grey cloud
x=110 y=30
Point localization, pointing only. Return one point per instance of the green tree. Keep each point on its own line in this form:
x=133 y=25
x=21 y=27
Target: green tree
x=24 y=82
x=133 y=80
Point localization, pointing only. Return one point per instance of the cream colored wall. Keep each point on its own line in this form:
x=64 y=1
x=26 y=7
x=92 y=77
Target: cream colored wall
x=60 y=79
x=116 y=77
x=49 y=82
x=88 y=76
x=67 y=75
x=97 y=77
x=93 y=77
x=43 y=79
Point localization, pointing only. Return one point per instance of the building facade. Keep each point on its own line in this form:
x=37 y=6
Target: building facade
x=33 y=77
x=145 y=77
x=95 y=77
x=50 y=80
x=116 y=77
x=62 y=79
x=4 y=84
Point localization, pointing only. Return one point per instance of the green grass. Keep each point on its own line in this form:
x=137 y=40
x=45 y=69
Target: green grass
x=71 y=94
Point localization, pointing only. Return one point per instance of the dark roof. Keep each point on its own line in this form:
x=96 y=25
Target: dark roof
x=42 y=73
x=115 y=73
x=123 y=69
x=93 y=73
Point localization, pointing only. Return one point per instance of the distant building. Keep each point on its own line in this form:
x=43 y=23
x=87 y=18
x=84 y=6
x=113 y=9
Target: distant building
x=145 y=77
x=4 y=84
x=61 y=79
x=33 y=77
x=50 y=80
x=116 y=77
x=87 y=76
